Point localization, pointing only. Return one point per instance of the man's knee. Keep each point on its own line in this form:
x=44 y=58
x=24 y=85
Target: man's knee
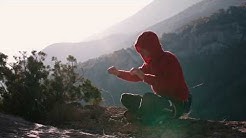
x=124 y=98
x=130 y=100
x=149 y=97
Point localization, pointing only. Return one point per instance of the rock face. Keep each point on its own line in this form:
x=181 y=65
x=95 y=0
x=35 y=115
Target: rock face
x=109 y=122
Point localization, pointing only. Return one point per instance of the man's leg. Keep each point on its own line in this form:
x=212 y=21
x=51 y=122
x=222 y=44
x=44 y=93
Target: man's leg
x=152 y=108
x=132 y=103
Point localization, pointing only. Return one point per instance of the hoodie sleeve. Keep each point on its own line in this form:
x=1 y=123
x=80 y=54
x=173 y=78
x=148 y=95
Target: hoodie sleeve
x=168 y=74
x=125 y=75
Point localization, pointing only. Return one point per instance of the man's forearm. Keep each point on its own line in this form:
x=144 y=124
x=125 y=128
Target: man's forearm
x=126 y=75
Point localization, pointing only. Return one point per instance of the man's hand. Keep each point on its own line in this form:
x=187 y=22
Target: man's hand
x=138 y=72
x=112 y=70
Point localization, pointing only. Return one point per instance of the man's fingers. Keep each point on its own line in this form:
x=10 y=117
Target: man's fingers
x=111 y=69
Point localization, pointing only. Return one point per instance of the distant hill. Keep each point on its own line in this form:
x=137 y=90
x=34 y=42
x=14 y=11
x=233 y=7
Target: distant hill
x=155 y=12
x=204 y=8
x=91 y=49
x=152 y=17
x=211 y=51
x=121 y=35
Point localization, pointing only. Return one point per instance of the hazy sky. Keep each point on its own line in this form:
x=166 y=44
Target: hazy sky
x=35 y=24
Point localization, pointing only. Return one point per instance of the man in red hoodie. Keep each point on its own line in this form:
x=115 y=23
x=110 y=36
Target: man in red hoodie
x=162 y=71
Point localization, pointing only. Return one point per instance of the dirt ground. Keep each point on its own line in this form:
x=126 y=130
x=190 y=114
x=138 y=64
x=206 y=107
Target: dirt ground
x=109 y=122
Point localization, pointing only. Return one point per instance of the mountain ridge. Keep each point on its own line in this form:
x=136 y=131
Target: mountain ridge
x=138 y=22
x=109 y=42
x=83 y=50
x=204 y=8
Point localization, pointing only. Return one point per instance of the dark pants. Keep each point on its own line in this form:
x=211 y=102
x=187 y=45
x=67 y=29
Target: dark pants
x=151 y=107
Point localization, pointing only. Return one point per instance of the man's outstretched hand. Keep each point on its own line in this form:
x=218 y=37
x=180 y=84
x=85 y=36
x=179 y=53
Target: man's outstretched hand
x=112 y=70
x=134 y=71
x=138 y=72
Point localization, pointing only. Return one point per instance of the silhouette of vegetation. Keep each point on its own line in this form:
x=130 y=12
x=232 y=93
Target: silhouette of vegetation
x=31 y=89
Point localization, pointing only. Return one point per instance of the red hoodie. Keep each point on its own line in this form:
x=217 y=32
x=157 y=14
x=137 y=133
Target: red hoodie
x=162 y=69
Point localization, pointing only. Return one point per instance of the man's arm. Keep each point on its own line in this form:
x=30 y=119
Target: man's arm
x=169 y=74
x=148 y=78
x=125 y=75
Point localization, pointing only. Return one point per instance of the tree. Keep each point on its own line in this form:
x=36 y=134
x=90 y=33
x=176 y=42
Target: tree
x=67 y=86
x=23 y=95
x=32 y=89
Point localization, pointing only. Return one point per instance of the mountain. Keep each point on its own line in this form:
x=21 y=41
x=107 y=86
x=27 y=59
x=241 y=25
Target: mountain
x=211 y=51
x=204 y=8
x=87 y=50
x=121 y=35
x=155 y=12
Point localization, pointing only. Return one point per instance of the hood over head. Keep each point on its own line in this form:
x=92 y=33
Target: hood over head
x=150 y=42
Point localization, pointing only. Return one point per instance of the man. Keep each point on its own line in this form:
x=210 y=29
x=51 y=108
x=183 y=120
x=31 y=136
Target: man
x=162 y=71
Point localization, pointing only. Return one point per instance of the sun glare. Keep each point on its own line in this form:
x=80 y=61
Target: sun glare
x=35 y=24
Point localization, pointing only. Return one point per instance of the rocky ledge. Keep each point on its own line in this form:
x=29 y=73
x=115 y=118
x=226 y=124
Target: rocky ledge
x=109 y=122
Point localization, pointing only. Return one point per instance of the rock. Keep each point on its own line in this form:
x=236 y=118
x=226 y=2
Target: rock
x=109 y=122
x=14 y=127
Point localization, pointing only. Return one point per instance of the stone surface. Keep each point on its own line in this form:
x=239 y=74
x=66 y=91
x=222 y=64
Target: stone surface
x=109 y=123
